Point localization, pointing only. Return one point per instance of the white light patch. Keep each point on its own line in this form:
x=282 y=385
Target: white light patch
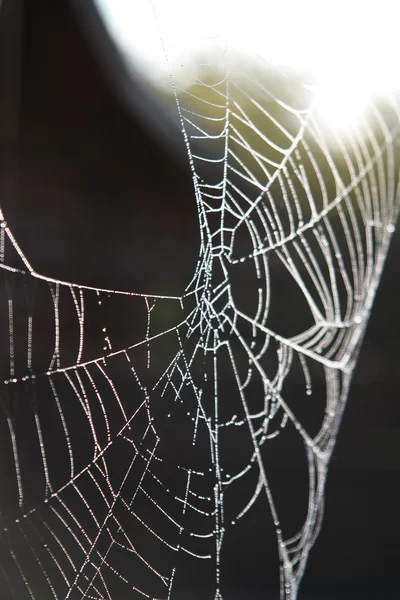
x=348 y=46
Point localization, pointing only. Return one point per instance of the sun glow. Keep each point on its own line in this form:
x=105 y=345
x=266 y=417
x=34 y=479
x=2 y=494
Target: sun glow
x=347 y=46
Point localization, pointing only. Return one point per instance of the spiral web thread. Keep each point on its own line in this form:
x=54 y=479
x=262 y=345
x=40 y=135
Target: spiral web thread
x=115 y=438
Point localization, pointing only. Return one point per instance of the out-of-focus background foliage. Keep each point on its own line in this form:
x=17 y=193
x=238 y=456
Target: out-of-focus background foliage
x=92 y=197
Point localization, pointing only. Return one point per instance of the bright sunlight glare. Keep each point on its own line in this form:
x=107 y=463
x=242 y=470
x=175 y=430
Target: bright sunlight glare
x=349 y=47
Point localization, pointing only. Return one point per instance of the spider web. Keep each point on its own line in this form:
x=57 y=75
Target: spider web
x=132 y=453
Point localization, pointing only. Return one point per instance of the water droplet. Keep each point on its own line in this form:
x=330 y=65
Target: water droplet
x=391 y=228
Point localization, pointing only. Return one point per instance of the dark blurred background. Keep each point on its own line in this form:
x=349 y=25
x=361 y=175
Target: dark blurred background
x=93 y=198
